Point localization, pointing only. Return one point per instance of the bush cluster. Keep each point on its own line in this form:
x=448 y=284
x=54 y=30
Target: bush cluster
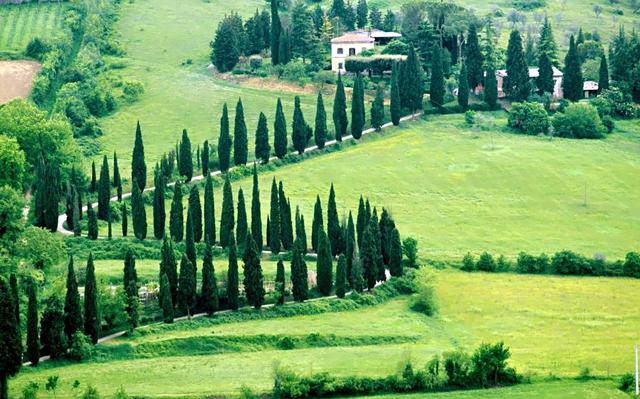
x=529 y=118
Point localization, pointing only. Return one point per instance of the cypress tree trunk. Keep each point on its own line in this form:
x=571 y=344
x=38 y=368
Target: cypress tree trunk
x=91 y=308
x=341 y=276
x=256 y=213
x=138 y=214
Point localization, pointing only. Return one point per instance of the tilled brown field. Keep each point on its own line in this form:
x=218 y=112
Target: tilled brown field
x=16 y=79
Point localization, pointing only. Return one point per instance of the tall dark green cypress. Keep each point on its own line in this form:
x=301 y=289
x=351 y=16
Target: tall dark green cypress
x=386 y=226
x=545 y=82
x=10 y=339
x=436 y=90
x=371 y=256
x=380 y=269
x=232 y=275
x=227 y=219
x=414 y=84
x=33 y=337
x=241 y=221
x=299 y=128
x=299 y=276
x=357 y=108
x=166 y=300
x=196 y=213
x=320 y=131
x=186 y=287
x=263 y=149
x=138 y=214
x=357 y=273
x=377 y=109
x=253 y=279
x=130 y=275
x=473 y=58
x=572 y=81
x=280 y=132
x=324 y=265
x=190 y=246
x=286 y=227
x=224 y=141
x=463 y=87
x=169 y=266
x=209 y=212
x=276 y=30
x=316 y=224
x=91 y=307
x=395 y=254
x=361 y=220
x=395 y=108
x=341 y=276
x=123 y=219
x=491 y=87
x=340 y=121
x=209 y=292
x=256 y=212
x=138 y=166
x=104 y=190
x=280 y=283
x=159 y=211
x=77 y=207
x=186 y=157
x=516 y=83
x=333 y=223
x=72 y=310
x=93 y=185
x=204 y=155
x=92 y=223
x=301 y=233
x=350 y=243
x=117 y=179
x=47 y=196
x=176 y=214
x=13 y=283
x=603 y=76
x=274 y=218
x=240 y=141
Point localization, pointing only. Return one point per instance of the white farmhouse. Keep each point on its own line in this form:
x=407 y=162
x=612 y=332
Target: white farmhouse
x=353 y=43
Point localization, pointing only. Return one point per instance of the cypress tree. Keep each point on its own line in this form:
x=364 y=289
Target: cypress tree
x=209 y=292
x=72 y=310
x=196 y=213
x=299 y=128
x=545 y=82
x=320 y=132
x=138 y=166
x=169 y=266
x=276 y=29
x=280 y=283
x=138 y=214
x=47 y=196
x=395 y=254
x=316 y=224
x=198 y=156
x=241 y=222
x=263 y=149
x=436 y=91
x=286 y=227
x=204 y=155
x=301 y=233
x=10 y=339
x=69 y=205
x=256 y=212
x=159 y=211
x=333 y=223
x=232 y=275
x=547 y=43
x=280 y=132
x=186 y=287
x=491 y=88
x=572 y=81
x=361 y=221
x=516 y=83
x=367 y=213
x=357 y=108
x=603 y=77
x=209 y=212
x=52 y=336
x=176 y=214
x=377 y=109
x=463 y=87
x=104 y=190
x=109 y=231
x=91 y=308
x=395 y=107
x=414 y=85
x=340 y=110
x=132 y=307
x=13 y=284
x=33 y=340
x=240 y=143
x=186 y=157
x=253 y=279
x=124 y=220
x=324 y=266
x=130 y=275
x=224 y=141
x=117 y=179
x=190 y=246
x=274 y=219
x=93 y=186
x=299 y=277
x=341 y=276
x=227 y=217
x=268 y=230
x=165 y=299
x=350 y=242
x=371 y=253
x=77 y=225
x=473 y=58
x=357 y=273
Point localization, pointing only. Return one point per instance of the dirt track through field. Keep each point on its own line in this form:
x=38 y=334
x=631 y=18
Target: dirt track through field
x=16 y=79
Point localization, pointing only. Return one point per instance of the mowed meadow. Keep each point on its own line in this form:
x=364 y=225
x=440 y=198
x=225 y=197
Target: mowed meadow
x=554 y=326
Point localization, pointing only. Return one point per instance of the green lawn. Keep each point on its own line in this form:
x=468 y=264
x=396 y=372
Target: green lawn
x=21 y=23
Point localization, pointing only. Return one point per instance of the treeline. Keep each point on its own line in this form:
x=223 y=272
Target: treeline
x=485 y=368
x=561 y=263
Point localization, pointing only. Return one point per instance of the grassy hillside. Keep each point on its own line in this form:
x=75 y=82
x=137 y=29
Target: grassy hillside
x=21 y=23
x=570 y=317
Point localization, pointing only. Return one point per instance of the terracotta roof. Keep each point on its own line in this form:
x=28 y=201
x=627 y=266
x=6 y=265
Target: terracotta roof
x=353 y=37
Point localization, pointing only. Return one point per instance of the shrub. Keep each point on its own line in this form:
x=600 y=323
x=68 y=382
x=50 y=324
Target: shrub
x=528 y=5
x=30 y=391
x=424 y=301
x=90 y=393
x=580 y=121
x=255 y=62
x=81 y=348
x=531 y=264
x=489 y=366
x=502 y=264
x=529 y=118
x=627 y=382
x=568 y=262
x=457 y=365
x=294 y=71
x=410 y=251
x=37 y=48
x=396 y=47
x=486 y=263
x=615 y=102
x=470 y=117
x=132 y=90
x=468 y=263
x=286 y=343
x=631 y=266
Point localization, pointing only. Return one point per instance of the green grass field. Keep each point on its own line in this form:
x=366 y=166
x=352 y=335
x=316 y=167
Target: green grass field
x=553 y=325
x=21 y=23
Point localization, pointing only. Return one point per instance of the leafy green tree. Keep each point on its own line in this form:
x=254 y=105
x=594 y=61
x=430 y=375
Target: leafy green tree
x=196 y=213
x=516 y=83
x=357 y=108
x=104 y=190
x=341 y=276
x=395 y=107
x=227 y=221
x=169 y=267
x=256 y=212
x=72 y=311
x=253 y=279
x=159 y=211
x=209 y=292
x=299 y=129
x=123 y=220
x=603 y=75
x=395 y=254
x=301 y=233
x=166 y=302
x=241 y=221
x=52 y=335
x=473 y=58
x=263 y=149
x=92 y=223
x=232 y=275
x=189 y=244
x=572 y=81
x=316 y=224
x=375 y=18
x=377 y=109
x=547 y=42
x=186 y=286
x=324 y=265
x=280 y=282
x=209 y=212
x=333 y=223
x=280 y=131
x=303 y=36
x=33 y=338
x=176 y=214
x=12 y=163
x=299 y=277
x=274 y=219
x=545 y=82
x=357 y=273
x=340 y=110
x=224 y=141
x=138 y=166
x=276 y=29
x=91 y=307
x=204 y=155
x=10 y=339
x=138 y=214
x=463 y=87
x=320 y=131
x=436 y=91
x=240 y=142
x=227 y=43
